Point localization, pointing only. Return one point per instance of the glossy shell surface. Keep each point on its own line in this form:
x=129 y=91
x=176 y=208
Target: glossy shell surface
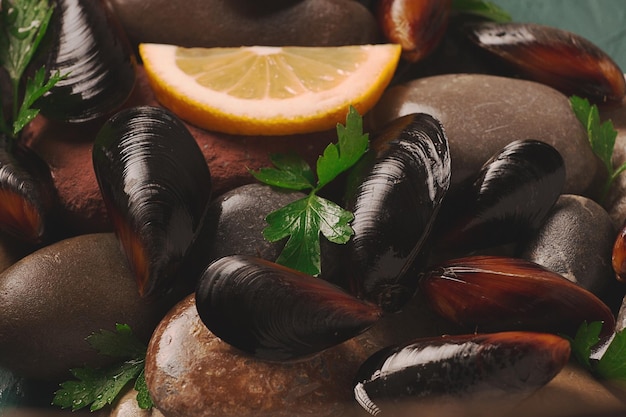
x=156 y=186
x=561 y=59
x=449 y=375
x=395 y=195
x=86 y=44
x=276 y=313
x=507 y=201
x=493 y=293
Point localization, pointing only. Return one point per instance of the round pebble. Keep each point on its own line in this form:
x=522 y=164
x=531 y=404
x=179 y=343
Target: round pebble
x=483 y=113
x=576 y=241
x=54 y=298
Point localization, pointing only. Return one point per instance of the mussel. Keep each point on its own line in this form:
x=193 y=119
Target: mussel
x=395 y=193
x=507 y=201
x=618 y=256
x=466 y=375
x=495 y=293
x=85 y=43
x=418 y=26
x=156 y=186
x=27 y=193
x=561 y=59
x=276 y=313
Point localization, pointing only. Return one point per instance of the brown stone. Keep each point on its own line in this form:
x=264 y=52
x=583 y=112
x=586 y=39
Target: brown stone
x=54 y=298
x=192 y=373
x=210 y=23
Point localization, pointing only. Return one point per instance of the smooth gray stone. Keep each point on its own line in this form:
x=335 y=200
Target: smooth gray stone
x=576 y=241
x=211 y=23
x=483 y=113
x=616 y=198
x=54 y=298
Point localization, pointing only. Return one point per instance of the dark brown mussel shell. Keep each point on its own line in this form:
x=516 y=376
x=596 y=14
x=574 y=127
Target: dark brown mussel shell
x=459 y=375
x=156 y=186
x=276 y=313
x=494 y=293
x=86 y=43
x=506 y=202
x=27 y=193
x=560 y=59
x=395 y=193
x=417 y=26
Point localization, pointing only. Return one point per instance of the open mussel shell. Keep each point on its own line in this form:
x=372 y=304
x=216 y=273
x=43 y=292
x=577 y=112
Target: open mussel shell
x=417 y=26
x=156 y=186
x=27 y=194
x=561 y=59
x=395 y=194
x=506 y=202
x=85 y=43
x=276 y=313
x=618 y=256
x=459 y=375
x=494 y=293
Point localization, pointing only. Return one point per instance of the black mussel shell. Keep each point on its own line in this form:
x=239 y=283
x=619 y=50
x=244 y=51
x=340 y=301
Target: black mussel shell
x=276 y=313
x=86 y=43
x=561 y=59
x=156 y=186
x=27 y=194
x=458 y=375
x=494 y=293
x=417 y=26
x=395 y=194
x=506 y=202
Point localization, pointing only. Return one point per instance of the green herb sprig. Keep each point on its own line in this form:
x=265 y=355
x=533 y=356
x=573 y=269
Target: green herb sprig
x=612 y=364
x=485 y=9
x=98 y=387
x=23 y=24
x=304 y=220
x=601 y=136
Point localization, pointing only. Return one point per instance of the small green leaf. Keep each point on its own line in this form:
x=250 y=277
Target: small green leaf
x=119 y=344
x=292 y=172
x=612 y=365
x=586 y=338
x=601 y=137
x=303 y=221
x=352 y=144
x=486 y=9
x=96 y=387
x=35 y=88
x=144 y=400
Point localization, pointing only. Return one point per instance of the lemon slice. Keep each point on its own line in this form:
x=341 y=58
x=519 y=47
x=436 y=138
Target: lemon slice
x=262 y=90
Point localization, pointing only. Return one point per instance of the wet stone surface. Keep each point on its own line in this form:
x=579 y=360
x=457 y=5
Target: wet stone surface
x=576 y=240
x=483 y=113
x=190 y=373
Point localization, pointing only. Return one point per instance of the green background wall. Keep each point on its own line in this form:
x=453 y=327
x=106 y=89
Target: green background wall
x=601 y=21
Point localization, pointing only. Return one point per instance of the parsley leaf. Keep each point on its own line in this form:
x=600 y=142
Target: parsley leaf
x=612 y=364
x=482 y=8
x=98 y=387
x=23 y=23
x=303 y=221
x=601 y=136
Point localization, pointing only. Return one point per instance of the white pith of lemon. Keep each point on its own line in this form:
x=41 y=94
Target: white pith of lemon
x=262 y=90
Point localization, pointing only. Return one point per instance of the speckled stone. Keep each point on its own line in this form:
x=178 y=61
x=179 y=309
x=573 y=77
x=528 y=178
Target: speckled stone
x=483 y=113
x=54 y=298
x=211 y=23
x=576 y=241
x=192 y=373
